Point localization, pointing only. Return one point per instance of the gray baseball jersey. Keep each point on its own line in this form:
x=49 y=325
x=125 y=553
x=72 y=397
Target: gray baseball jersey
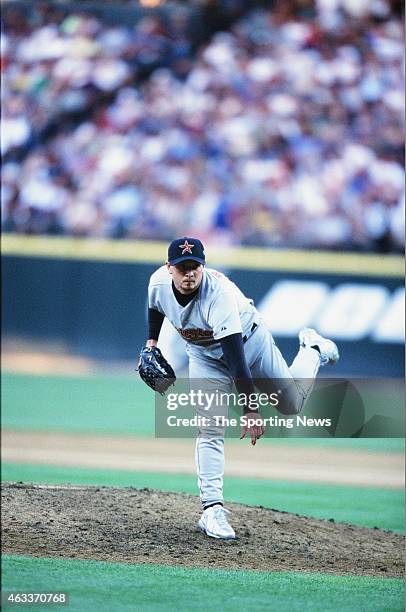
x=219 y=310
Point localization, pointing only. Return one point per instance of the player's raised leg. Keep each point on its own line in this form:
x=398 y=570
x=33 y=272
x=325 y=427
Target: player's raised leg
x=328 y=350
x=272 y=373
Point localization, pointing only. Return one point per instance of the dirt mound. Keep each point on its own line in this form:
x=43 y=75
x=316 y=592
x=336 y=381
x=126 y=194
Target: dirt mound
x=148 y=526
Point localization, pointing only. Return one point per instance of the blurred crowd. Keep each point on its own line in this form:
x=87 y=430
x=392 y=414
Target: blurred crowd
x=284 y=130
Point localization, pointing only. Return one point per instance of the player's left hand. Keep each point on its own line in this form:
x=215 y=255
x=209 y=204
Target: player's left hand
x=254 y=426
x=154 y=370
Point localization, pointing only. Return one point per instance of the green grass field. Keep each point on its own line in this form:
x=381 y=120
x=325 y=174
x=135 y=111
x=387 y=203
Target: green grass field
x=118 y=586
x=120 y=405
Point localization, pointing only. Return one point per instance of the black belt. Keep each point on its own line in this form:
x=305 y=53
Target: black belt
x=253 y=328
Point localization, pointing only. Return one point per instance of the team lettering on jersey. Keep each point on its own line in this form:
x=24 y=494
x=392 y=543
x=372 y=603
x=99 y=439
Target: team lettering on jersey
x=195 y=334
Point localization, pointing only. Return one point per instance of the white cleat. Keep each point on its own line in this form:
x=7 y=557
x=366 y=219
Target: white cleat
x=214 y=523
x=327 y=348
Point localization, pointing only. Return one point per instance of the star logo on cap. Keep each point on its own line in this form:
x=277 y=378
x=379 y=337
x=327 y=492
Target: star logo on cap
x=186 y=247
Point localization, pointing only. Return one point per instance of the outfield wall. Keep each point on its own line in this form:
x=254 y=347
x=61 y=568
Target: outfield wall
x=90 y=296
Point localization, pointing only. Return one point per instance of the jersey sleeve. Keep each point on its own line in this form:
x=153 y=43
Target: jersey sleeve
x=155 y=322
x=154 y=302
x=223 y=315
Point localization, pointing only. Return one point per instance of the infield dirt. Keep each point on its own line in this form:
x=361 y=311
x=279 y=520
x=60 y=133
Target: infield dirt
x=148 y=526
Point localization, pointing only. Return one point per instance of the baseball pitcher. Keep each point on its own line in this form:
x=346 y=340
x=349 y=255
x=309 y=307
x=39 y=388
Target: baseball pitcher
x=227 y=343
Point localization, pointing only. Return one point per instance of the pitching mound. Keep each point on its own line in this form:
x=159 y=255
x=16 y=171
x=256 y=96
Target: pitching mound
x=149 y=526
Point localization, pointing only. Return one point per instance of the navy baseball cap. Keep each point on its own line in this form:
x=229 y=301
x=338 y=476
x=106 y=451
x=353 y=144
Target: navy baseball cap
x=184 y=249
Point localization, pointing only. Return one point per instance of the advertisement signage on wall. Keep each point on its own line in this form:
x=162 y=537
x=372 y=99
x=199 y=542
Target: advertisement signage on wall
x=348 y=311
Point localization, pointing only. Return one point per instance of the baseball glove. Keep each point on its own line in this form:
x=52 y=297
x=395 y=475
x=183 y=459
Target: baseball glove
x=154 y=370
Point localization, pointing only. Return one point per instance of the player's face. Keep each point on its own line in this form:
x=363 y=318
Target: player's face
x=186 y=276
